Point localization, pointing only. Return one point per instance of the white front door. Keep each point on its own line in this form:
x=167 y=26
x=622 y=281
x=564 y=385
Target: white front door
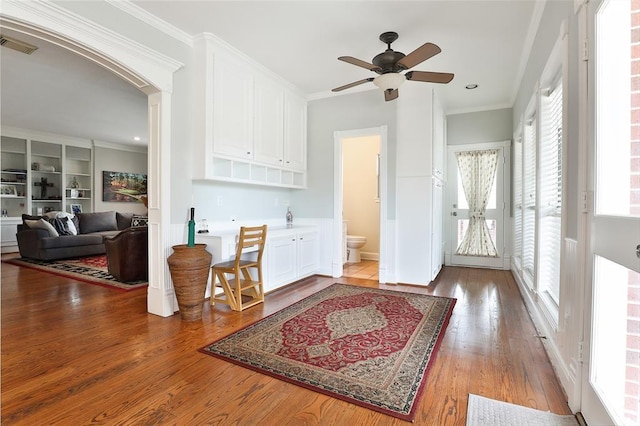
x=457 y=209
x=611 y=370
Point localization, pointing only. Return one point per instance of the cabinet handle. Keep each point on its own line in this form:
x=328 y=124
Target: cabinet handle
x=293 y=239
x=280 y=160
x=301 y=238
x=248 y=152
x=288 y=162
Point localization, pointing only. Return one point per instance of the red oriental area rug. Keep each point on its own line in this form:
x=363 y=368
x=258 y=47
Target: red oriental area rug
x=89 y=269
x=367 y=346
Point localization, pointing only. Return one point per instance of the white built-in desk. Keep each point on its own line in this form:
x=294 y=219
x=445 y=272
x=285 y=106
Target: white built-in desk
x=290 y=254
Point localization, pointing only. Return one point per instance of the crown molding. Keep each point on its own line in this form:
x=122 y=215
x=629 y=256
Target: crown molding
x=55 y=24
x=120 y=147
x=150 y=19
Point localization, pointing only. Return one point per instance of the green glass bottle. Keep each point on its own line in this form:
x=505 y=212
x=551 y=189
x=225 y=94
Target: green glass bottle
x=191 y=242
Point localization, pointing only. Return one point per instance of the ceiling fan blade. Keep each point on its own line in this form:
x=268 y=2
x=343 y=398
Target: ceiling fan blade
x=350 y=85
x=360 y=63
x=421 y=54
x=390 y=94
x=429 y=77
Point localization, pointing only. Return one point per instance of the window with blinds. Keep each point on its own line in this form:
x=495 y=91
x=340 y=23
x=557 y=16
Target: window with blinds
x=550 y=193
x=529 y=200
x=517 y=203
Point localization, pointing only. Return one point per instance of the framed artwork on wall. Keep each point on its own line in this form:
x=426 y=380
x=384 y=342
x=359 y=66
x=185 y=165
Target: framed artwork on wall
x=123 y=187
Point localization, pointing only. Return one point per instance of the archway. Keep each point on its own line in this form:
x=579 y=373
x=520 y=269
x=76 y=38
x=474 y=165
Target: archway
x=150 y=72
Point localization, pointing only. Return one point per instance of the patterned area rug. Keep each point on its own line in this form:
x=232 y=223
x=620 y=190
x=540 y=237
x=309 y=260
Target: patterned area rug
x=367 y=346
x=90 y=269
x=483 y=411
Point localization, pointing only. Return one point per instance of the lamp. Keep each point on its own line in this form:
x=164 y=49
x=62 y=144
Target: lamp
x=389 y=81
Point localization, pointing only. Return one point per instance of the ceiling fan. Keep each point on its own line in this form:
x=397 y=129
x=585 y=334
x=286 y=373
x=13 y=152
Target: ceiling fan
x=389 y=65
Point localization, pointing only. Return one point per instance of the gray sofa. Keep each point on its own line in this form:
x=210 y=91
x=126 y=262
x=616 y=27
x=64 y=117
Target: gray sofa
x=92 y=229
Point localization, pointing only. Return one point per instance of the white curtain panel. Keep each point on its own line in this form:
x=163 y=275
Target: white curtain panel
x=477 y=172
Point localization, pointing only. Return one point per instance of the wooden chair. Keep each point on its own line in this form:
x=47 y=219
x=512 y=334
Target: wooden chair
x=235 y=277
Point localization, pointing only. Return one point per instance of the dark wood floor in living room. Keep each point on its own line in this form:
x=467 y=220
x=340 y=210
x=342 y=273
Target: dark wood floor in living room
x=75 y=353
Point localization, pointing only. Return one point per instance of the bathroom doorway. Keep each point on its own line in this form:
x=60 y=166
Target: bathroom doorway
x=359 y=203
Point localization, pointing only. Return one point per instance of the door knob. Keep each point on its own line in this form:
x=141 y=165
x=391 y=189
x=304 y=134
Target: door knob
x=454 y=213
x=638 y=251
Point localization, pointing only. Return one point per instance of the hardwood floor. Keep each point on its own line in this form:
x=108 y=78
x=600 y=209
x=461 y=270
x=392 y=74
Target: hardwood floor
x=74 y=353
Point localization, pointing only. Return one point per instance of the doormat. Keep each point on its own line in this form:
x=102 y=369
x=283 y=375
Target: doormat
x=483 y=411
x=89 y=269
x=367 y=346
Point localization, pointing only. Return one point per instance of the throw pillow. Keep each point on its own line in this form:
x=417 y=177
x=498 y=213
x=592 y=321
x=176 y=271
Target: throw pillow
x=97 y=222
x=69 y=226
x=139 y=220
x=42 y=224
x=61 y=224
x=124 y=220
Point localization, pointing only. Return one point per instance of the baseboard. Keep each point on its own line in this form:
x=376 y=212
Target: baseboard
x=369 y=256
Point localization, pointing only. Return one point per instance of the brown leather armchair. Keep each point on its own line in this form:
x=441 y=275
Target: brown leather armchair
x=127 y=254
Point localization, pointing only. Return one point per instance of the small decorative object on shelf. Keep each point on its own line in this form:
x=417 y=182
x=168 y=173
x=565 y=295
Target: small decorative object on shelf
x=289 y=218
x=203 y=226
x=74 y=183
x=43 y=184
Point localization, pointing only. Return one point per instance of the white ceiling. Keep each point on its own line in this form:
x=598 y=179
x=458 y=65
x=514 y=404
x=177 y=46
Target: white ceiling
x=482 y=42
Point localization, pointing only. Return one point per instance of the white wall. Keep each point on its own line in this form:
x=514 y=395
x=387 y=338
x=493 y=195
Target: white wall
x=117 y=159
x=481 y=126
x=361 y=206
x=341 y=113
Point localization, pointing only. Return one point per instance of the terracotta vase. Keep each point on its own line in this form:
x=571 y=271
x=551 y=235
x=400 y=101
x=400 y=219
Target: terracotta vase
x=189 y=267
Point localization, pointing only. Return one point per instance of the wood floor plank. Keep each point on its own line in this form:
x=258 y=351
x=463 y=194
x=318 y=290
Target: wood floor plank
x=75 y=353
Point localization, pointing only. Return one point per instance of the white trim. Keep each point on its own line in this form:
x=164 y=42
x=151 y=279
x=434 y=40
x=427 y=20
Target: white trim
x=20 y=133
x=478 y=109
x=151 y=19
x=120 y=147
x=338 y=137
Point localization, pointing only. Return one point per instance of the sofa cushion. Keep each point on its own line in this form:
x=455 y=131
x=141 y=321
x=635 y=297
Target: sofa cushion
x=70 y=241
x=96 y=222
x=42 y=224
x=124 y=220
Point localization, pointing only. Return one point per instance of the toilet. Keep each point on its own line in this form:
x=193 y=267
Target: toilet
x=354 y=244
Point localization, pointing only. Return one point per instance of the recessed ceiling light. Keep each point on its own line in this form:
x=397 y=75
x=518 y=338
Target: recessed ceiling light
x=136 y=138
x=471 y=86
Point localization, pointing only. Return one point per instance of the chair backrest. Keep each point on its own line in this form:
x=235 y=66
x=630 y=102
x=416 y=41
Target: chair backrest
x=249 y=238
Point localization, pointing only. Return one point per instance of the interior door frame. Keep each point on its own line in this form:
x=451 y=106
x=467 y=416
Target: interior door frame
x=503 y=261
x=338 y=140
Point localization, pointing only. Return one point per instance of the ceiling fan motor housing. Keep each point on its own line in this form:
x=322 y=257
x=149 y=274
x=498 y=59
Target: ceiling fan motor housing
x=388 y=61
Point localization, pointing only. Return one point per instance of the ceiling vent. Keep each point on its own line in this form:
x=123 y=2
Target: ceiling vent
x=18 y=45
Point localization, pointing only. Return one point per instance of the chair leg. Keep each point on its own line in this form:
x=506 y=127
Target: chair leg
x=231 y=300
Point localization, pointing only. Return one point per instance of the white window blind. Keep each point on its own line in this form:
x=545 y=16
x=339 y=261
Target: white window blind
x=550 y=201
x=517 y=203
x=529 y=200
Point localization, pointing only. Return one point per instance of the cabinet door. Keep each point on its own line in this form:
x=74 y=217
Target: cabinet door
x=232 y=108
x=436 y=227
x=295 y=134
x=438 y=140
x=281 y=255
x=269 y=123
x=308 y=254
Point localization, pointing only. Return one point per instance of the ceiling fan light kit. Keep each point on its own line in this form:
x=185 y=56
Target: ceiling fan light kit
x=389 y=81
x=389 y=65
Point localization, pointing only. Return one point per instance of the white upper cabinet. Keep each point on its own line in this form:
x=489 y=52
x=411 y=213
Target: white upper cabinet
x=269 y=123
x=295 y=132
x=252 y=125
x=233 y=108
